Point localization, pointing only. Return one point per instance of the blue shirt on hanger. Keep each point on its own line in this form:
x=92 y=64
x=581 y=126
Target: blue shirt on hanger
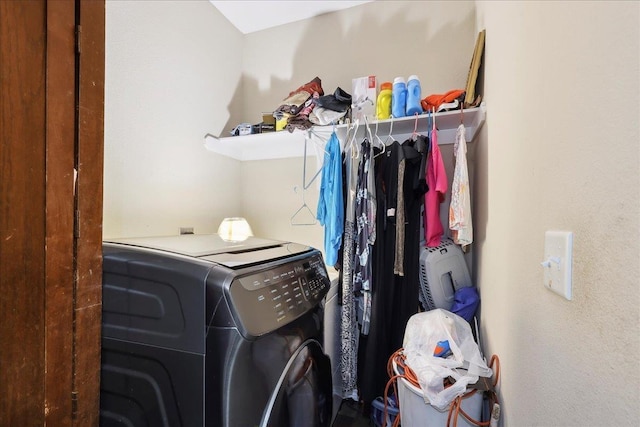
x=330 y=205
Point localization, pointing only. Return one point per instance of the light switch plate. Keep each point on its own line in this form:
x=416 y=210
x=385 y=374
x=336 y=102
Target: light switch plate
x=558 y=248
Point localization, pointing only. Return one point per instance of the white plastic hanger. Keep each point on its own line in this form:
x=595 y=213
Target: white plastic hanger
x=383 y=146
x=350 y=145
x=368 y=129
x=389 y=138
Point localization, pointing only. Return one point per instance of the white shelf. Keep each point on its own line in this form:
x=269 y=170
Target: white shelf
x=283 y=144
x=271 y=145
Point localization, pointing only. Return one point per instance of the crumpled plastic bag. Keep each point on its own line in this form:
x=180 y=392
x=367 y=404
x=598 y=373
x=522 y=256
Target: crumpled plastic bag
x=465 y=364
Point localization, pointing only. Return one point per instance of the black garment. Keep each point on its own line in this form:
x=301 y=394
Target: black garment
x=339 y=101
x=339 y=264
x=395 y=298
x=422 y=145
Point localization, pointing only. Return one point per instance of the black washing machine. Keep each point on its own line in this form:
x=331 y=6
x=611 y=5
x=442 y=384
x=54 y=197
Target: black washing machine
x=198 y=331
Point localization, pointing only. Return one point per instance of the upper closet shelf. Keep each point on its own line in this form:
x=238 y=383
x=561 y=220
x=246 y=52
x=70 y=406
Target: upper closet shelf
x=283 y=144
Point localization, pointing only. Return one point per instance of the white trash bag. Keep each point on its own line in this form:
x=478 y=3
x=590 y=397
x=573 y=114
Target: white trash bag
x=422 y=336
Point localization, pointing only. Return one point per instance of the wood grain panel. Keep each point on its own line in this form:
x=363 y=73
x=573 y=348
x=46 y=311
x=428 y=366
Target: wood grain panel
x=89 y=204
x=60 y=208
x=22 y=212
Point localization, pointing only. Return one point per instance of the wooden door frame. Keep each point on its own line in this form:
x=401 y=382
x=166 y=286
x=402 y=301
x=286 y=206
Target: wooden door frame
x=60 y=145
x=22 y=212
x=51 y=167
x=88 y=255
x=75 y=122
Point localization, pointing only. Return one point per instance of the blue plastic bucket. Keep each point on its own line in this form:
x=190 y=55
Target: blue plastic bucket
x=377 y=413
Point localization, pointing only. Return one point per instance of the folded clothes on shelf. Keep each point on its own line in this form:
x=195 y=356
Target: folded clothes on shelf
x=432 y=102
x=338 y=101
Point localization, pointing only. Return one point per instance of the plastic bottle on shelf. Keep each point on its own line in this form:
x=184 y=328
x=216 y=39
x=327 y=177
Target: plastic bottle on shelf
x=414 y=95
x=399 y=97
x=383 y=104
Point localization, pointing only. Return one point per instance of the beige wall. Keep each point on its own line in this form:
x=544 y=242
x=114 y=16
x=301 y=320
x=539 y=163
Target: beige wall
x=272 y=193
x=169 y=81
x=560 y=151
x=433 y=40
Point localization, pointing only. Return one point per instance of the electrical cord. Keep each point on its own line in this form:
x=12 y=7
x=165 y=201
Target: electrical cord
x=455 y=409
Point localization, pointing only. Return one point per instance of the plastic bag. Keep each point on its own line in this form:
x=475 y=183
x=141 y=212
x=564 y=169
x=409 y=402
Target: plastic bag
x=424 y=332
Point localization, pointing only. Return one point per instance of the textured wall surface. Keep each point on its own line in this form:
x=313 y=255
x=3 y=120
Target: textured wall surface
x=560 y=151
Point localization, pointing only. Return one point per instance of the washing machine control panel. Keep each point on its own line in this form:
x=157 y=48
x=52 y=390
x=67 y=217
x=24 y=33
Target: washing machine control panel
x=266 y=300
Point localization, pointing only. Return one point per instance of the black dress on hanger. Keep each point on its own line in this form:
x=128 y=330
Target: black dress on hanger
x=394 y=297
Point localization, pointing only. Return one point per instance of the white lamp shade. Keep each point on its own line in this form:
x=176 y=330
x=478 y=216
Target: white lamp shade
x=234 y=229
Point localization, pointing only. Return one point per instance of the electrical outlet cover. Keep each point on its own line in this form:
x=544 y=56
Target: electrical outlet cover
x=558 y=248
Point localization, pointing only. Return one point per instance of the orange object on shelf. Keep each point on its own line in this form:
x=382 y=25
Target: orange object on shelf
x=435 y=101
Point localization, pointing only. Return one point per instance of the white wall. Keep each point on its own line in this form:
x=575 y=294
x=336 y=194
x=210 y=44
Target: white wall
x=560 y=151
x=169 y=81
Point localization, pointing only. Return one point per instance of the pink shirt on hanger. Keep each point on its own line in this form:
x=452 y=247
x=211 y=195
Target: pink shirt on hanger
x=438 y=184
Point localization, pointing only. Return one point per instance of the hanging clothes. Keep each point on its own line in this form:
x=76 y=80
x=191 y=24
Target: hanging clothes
x=349 y=325
x=365 y=217
x=398 y=263
x=330 y=210
x=460 y=222
x=394 y=297
x=438 y=183
x=421 y=144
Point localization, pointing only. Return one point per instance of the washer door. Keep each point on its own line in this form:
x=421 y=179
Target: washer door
x=303 y=395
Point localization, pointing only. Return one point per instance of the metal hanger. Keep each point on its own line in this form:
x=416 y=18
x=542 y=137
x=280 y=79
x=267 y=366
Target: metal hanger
x=310 y=132
x=305 y=185
x=298 y=219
